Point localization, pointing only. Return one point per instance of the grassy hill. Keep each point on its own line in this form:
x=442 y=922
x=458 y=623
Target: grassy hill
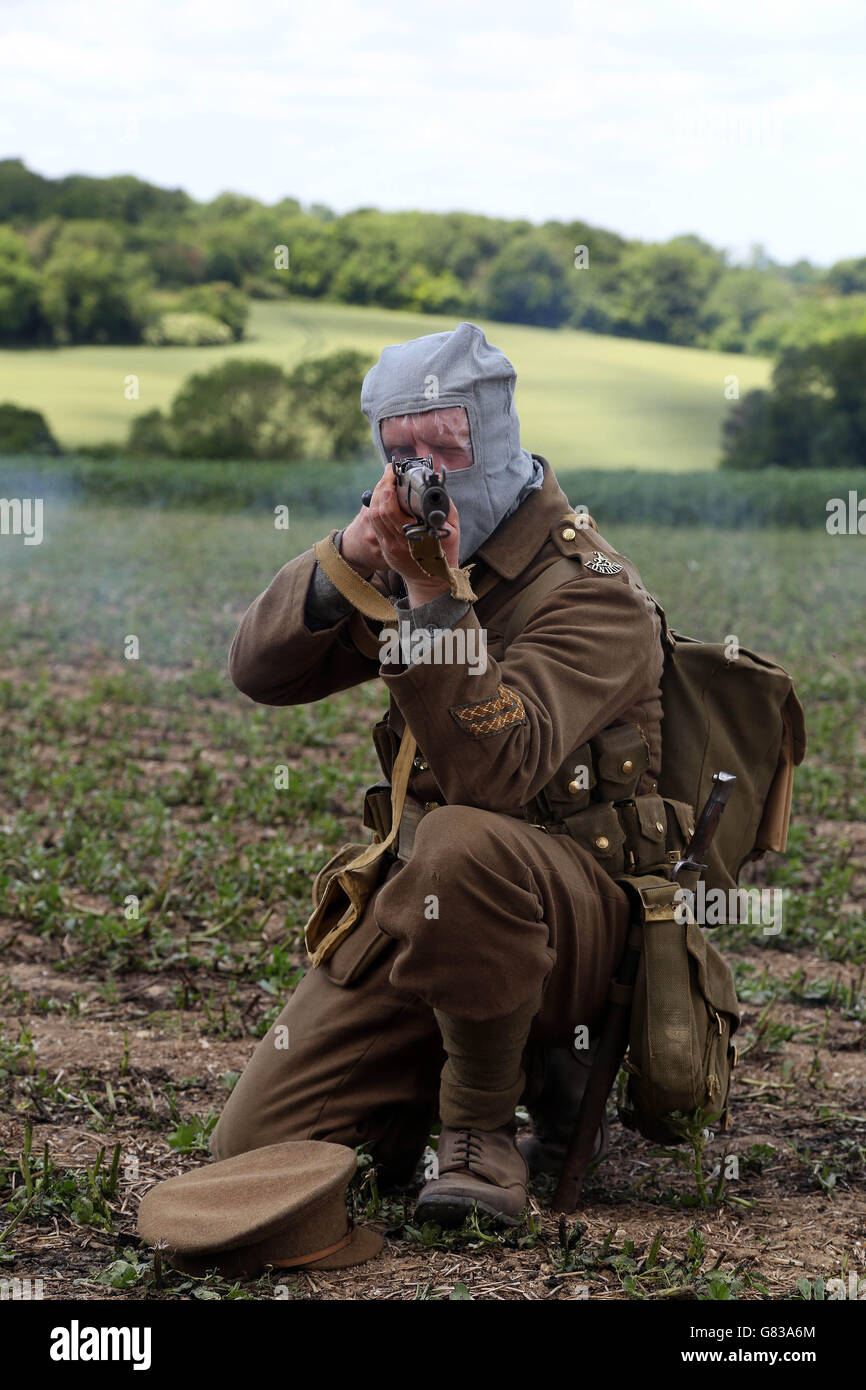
x=584 y=400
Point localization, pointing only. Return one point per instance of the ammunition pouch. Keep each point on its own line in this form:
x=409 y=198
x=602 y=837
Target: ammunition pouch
x=594 y=798
x=683 y=1013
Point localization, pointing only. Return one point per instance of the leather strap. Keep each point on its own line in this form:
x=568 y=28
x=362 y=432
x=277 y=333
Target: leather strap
x=426 y=550
x=366 y=598
x=317 y=1254
x=362 y=595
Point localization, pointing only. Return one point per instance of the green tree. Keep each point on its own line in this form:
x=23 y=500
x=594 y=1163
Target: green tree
x=122 y=197
x=20 y=316
x=428 y=293
x=808 y=319
x=326 y=392
x=92 y=291
x=23 y=194
x=527 y=282
x=240 y=409
x=662 y=290
x=737 y=301
x=814 y=416
x=848 y=277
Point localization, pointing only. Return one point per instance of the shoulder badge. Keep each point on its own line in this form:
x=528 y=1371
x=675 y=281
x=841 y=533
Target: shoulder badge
x=602 y=565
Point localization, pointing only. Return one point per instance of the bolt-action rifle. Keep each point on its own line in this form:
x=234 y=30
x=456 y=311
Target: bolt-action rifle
x=422 y=494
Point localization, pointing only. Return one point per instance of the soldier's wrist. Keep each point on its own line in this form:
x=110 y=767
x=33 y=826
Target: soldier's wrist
x=359 y=566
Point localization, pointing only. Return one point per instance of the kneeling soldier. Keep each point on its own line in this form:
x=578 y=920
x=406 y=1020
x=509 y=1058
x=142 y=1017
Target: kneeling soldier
x=492 y=934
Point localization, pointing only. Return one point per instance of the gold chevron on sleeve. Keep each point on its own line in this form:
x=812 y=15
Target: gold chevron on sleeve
x=490 y=716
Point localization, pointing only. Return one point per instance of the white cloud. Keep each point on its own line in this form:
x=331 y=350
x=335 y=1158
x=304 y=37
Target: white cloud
x=740 y=121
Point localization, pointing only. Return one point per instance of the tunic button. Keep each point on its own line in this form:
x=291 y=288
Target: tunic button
x=627 y=765
x=575 y=787
x=602 y=842
x=569 y=533
x=659 y=826
x=431 y=805
x=419 y=764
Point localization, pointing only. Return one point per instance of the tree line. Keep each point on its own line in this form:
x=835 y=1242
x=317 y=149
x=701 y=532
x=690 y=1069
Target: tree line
x=121 y=260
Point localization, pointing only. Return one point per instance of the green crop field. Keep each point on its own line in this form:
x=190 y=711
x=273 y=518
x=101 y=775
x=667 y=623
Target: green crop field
x=152 y=780
x=584 y=400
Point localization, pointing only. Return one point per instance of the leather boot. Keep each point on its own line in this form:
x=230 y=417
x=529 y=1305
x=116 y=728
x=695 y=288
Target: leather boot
x=478 y=1168
x=557 y=1093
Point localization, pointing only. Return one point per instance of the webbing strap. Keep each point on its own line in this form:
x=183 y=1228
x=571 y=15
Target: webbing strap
x=367 y=601
x=426 y=550
x=399 y=783
x=558 y=573
x=362 y=595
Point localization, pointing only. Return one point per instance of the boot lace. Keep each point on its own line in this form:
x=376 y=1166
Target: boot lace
x=468 y=1146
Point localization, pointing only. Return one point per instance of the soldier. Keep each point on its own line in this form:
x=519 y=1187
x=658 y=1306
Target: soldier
x=487 y=947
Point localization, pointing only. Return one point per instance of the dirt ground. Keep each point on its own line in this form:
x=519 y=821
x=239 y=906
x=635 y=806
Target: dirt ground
x=781 y=1225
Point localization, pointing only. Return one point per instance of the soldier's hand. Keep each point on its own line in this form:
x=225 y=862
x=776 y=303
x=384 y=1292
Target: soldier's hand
x=359 y=545
x=388 y=520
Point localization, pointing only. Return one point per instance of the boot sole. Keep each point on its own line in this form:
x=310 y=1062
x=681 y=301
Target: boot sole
x=448 y=1209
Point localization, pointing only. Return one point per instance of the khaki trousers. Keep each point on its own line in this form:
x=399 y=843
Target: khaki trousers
x=488 y=910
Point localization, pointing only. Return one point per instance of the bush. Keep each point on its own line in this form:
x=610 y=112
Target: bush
x=220 y=301
x=326 y=392
x=814 y=415
x=149 y=434
x=253 y=410
x=187 y=330
x=747 y=433
x=239 y=409
x=25 y=431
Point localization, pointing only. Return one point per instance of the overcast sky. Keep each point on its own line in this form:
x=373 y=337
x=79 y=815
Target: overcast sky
x=741 y=120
